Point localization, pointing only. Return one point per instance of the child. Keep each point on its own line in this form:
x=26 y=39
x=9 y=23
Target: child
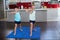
x=31 y=17
x=17 y=19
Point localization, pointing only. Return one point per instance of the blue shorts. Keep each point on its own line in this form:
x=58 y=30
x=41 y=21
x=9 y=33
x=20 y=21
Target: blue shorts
x=17 y=22
x=32 y=21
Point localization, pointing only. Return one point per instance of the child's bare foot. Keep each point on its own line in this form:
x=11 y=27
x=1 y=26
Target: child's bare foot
x=14 y=34
x=21 y=30
x=30 y=35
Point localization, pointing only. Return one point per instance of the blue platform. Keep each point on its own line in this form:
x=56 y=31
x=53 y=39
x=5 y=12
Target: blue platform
x=25 y=34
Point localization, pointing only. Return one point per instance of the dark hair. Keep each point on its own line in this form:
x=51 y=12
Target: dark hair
x=32 y=4
x=16 y=7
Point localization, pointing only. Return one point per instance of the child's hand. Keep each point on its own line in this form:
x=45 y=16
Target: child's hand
x=11 y=12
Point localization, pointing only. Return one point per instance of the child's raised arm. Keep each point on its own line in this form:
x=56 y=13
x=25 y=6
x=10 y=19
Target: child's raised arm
x=13 y=12
x=28 y=10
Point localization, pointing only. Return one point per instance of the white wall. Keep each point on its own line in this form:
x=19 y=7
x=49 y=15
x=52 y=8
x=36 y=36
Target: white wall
x=27 y=0
x=41 y=16
x=52 y=14
x=58 y=14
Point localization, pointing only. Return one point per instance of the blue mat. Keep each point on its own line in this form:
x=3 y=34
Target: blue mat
x=25 y=33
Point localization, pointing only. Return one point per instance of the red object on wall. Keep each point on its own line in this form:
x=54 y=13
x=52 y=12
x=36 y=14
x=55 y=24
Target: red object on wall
x=58 y=5
x=49 y=6
x=12 y=6
x=54 y=5
x=19 y=4
x=26 y=4
x=46 y=4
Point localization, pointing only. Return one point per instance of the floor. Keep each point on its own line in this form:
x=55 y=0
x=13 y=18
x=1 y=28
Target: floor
x=49 y=30
x=52 y=31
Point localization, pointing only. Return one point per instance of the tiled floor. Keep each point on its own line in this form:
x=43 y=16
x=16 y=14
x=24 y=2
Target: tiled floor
x=50 y=30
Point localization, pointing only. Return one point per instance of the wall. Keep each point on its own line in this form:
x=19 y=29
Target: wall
x=58 y=14
x=14 y=1
x=41 y=16
x=1 y=9
x=52 y=14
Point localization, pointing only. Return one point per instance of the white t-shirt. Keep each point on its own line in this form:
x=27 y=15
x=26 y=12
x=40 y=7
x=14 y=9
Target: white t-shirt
x=32 y=16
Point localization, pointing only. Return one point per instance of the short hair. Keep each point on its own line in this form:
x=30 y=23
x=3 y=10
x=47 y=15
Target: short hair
x=16 y=6
x=32 y=4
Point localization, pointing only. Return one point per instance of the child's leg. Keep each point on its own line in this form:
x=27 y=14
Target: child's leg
x=31 y=27
x=34 y=27
x=20 y=27
x=15 y=29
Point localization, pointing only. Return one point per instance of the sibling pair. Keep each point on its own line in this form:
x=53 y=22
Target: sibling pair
x=32 y=18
